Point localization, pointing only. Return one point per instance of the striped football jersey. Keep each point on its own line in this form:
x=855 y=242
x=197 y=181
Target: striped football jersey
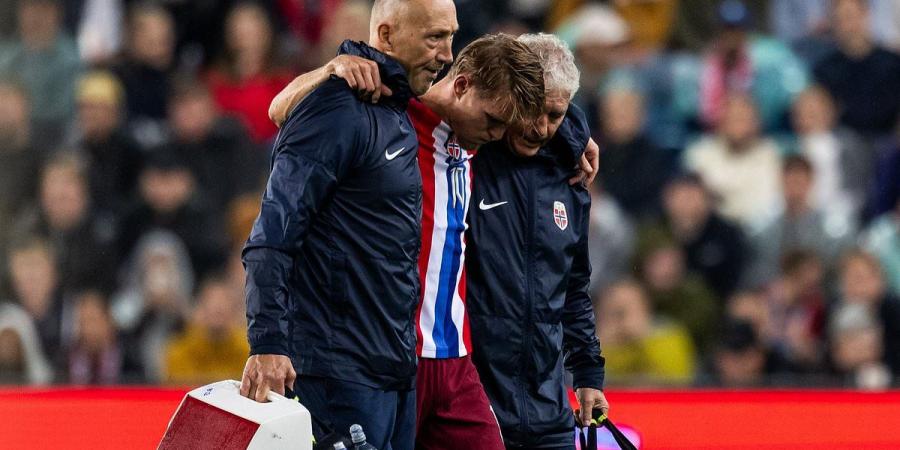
x=442 y=324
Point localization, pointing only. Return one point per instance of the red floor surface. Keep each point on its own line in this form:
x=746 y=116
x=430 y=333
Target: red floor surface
x=764 y=420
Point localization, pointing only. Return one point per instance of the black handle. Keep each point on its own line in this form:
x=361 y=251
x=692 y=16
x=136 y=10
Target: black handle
x=600 y=419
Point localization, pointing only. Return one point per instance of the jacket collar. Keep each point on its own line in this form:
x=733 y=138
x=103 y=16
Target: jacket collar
x=392 y=73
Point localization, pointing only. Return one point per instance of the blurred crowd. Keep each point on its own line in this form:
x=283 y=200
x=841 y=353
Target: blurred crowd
x=745 y=221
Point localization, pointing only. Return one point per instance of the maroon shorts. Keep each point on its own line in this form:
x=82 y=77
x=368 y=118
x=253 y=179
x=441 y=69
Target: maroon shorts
x=452 y=410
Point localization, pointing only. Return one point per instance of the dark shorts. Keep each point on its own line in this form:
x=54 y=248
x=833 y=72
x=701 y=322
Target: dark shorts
x=454 y=411
x=388 y=417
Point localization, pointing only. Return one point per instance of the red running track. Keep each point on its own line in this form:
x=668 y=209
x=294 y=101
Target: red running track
x=135 y=418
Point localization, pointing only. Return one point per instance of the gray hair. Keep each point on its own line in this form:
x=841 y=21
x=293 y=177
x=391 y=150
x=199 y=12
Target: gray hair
x=560 y=72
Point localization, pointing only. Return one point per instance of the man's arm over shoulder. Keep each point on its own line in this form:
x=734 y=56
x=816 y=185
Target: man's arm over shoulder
x=574 y=132
x=574 y=136
x=361 y=75
x=316 y=148
x=580 y=343
x=285 y=101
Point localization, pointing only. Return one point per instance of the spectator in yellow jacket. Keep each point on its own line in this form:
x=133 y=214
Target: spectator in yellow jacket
x=641 y=348
x=213 y=346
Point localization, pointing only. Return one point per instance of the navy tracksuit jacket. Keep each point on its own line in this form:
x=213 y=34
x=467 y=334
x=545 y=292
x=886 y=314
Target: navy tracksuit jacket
x=528 y=273
x=332 y=277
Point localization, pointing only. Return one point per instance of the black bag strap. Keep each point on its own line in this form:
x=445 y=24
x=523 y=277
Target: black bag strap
x=600 y=419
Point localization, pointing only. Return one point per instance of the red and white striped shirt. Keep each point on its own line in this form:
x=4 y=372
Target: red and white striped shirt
x=442 y=324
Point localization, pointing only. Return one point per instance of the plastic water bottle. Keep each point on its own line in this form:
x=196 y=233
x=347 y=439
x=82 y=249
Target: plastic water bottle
x=359 y=439
x=339 y=446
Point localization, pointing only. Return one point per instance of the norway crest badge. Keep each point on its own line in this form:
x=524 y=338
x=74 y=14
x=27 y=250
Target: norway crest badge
x=559 y=215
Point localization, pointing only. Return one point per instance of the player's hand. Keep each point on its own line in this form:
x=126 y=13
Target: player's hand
x=590 y=399
x=361 y=74
x=588 y=166
x=264 y=373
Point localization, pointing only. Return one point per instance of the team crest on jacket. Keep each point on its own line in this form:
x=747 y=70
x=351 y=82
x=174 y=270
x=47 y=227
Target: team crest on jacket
x=560 y=216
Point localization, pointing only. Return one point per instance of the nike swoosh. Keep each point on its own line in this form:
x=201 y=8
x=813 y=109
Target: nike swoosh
x=482 y=206
x=393 y=155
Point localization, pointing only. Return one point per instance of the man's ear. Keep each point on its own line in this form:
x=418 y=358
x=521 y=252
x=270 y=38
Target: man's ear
x=461 y=85
x=385 y=35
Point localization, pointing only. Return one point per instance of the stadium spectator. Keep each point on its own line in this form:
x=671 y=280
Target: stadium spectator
x=216 y=148
x=241 y=214
x=714 y=247
x=634 y=170
x=650 y=22
x=596 y=35
x=83 y=241
x=841 y=160
x=197 y=28
x=146 y=70
x=796 y=307
x=641 y=348
x=796 y=20
x=739 y=165
x=214 y=344
x=169 y=201
x=97 y=26
x=739 y=62
x=675 y=292
x=698 y=22
x=234 y=270
x=19 y=163
x=882 y=239
x=740 y=360
x=885 y=23
x=862 y=283
x=611 y=240
x=113 y=157
x=862 y=76
x=804 y=25
x=246 y=79
x=798 y=226
x=751 y=306
x=154 y=299
x=350 y=20
x=885 y=190
x=35 y=287
x=305 y=21
x=22 y=359
x=94 y=355
x=45 y=60
x=858 y=348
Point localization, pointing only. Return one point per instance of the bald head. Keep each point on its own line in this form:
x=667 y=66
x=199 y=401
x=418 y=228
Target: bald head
x=387 y=12
x=418 y=34
x=398 y=14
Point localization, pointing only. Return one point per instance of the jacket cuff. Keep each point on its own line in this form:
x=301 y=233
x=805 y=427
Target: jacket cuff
x=269 y=348
x=592 y=377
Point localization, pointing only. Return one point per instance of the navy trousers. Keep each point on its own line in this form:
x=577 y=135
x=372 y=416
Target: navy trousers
x=388 y=417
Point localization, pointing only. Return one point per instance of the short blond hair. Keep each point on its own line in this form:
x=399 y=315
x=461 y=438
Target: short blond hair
x=506 y=70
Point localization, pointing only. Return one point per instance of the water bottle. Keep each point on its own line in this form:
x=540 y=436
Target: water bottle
x=339 y=446
x=359 y=439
